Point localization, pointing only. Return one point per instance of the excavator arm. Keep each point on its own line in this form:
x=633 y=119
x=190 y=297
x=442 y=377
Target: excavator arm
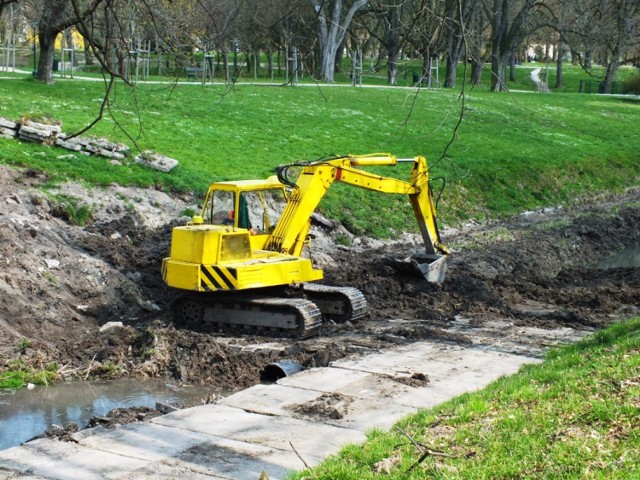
x=315 y=179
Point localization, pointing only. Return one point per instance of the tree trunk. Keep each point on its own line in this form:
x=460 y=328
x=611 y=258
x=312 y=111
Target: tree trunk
x=88 y=56
x=512 y=67
x=499 y=30
x=499 y=72
x=379 y=58
x=477 y=60
x=454 y=43
x=610 y=73
x=225 y=66
x=506 y=35
x=339 y=57
x=587 y=59
x=47 y=40
x=575 y=57
x=270 y=63
x=451 y=75
x=626 y=12
x=279 y=57
x=559 y=79
x=256 y=63
x=55 y=17
x=426 y=66
x=476 y=72
x=392 y=60
x=331 y=32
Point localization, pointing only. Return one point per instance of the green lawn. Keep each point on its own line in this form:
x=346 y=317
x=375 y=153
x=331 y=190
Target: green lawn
x=574 y=416
x=511 y=152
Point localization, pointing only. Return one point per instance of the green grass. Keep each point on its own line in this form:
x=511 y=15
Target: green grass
x=573 y=416
x=512 y=152
x=71 y=209
x=571 y=76
x=18 y=375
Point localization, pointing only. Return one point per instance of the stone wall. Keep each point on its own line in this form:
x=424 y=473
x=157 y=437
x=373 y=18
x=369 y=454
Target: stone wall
x=52 y=135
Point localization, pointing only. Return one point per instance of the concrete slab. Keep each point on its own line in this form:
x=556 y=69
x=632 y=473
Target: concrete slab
x=196 y=452
x=272 y=399
x=431 y=359
x=13 y=475
x=309 y=439
x=357 y=384
x=474 y=373
x=361 y=414
x=368 y=414
x=145 y=441
x=174 y=472
x=53 y=459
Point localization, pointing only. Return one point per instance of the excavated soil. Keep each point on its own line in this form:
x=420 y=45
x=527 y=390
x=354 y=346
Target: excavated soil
x=518 y=285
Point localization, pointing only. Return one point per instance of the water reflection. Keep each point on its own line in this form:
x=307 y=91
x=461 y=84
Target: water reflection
x=27 y=413
x=628 y=258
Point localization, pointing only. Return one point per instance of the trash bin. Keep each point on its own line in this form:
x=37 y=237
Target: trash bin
x=416 y=78
x=55 y=65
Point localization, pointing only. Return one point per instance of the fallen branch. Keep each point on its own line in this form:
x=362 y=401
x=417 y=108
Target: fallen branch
x=424 y=450
x=89 y=368
x=296 y=452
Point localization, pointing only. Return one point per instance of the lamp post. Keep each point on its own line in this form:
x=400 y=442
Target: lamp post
x=236 y=50
x=34 y=25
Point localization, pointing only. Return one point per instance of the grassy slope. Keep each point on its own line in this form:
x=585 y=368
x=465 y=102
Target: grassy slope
x=512 y=151
x=573 y=416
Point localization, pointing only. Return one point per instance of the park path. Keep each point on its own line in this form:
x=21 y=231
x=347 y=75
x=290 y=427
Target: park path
x=541 y=84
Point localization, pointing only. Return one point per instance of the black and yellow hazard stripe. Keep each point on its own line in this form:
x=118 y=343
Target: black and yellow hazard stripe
x=218 y=278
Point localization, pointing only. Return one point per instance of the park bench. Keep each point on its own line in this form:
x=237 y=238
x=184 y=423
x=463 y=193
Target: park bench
x=194 y=73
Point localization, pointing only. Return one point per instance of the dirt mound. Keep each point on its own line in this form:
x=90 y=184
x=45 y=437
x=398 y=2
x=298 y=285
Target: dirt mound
x=61 y=286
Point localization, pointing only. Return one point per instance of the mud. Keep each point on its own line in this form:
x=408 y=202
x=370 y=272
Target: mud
x=519 y=285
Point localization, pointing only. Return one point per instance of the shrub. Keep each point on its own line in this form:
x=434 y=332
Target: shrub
x=632 y=85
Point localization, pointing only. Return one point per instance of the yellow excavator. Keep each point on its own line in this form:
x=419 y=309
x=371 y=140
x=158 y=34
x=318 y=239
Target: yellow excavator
x=244 y=268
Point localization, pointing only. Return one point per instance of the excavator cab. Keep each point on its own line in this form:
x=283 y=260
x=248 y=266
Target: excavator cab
x=252 y=205
x=248 y=204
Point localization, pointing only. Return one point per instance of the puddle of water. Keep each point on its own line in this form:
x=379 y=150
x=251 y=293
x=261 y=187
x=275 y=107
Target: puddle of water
x=25 y=414
x=629 y=257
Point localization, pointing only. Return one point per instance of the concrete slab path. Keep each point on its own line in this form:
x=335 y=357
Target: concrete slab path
x=269 y=428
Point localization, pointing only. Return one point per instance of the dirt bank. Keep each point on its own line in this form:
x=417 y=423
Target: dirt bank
x=59 y=284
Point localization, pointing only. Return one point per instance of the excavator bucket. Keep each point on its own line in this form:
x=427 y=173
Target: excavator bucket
x=432 y=267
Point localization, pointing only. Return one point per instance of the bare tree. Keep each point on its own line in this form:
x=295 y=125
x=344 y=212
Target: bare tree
x=477 y=39
x=4 y=3
x=332 y=25
x=460 y=19
x=507 y=32
x=53 y=17
x=592 y=28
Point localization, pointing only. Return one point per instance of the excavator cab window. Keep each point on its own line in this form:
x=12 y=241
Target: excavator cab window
x=219 y=208
x=256 y=210
x=263 y=209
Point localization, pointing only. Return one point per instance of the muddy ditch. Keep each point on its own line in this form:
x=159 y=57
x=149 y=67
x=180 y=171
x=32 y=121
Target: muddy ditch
x=519 y=285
